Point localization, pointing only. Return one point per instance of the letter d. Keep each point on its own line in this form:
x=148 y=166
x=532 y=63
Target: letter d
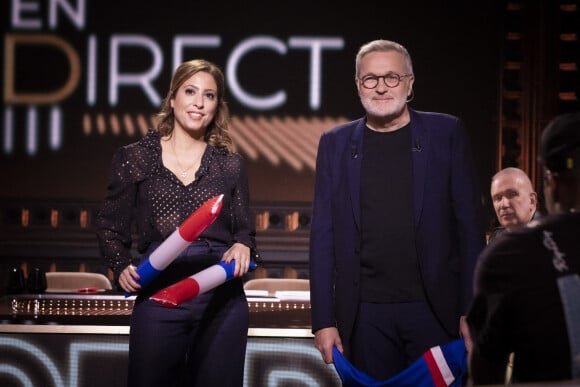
x=11 y=96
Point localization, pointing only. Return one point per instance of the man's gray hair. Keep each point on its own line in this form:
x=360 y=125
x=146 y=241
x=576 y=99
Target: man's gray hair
x=382 y=45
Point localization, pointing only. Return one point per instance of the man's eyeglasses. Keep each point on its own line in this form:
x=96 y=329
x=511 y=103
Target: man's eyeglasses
x=390 y=79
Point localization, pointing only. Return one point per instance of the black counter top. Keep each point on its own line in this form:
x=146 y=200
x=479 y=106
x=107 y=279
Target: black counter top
x=115 y=309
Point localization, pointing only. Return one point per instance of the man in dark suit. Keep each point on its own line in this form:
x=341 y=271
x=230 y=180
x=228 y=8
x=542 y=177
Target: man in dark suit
x=397 y=224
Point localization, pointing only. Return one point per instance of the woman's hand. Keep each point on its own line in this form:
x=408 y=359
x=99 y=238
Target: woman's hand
x=241 y=254
x=128 y=279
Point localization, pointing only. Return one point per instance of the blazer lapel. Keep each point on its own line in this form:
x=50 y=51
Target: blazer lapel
x=419 y=149
x=353 y=159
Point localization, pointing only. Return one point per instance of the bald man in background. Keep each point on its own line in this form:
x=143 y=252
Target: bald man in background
x=514 y=199
x=527 y=282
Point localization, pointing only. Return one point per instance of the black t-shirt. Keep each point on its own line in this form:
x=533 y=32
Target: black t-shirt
x=389 y=270
x=517 y=307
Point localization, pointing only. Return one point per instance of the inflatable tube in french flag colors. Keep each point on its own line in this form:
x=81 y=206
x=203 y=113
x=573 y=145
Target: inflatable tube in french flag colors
x=178 y=241
x=197 y=284
x=441 y=366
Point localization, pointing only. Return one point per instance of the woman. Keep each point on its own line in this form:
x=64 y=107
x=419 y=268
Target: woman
x=155 y=184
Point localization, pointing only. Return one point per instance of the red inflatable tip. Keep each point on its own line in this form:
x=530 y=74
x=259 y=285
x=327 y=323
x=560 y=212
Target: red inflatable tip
x=201 y=218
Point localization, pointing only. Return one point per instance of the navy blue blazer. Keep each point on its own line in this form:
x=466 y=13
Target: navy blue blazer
x=448 y=214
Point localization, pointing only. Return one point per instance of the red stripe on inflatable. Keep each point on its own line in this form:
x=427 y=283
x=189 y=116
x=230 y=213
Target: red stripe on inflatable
x=175 y=294
x=202 y=218
x=438 y=380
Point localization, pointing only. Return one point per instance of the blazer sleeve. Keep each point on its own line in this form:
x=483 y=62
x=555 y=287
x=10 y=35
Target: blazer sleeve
x=321 y=258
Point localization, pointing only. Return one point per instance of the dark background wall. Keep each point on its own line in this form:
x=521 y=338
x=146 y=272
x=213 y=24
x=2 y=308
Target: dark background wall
x=82 y=77
x=455 y=48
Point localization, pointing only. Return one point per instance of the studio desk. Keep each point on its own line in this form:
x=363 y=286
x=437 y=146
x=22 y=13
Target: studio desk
x=82 y=340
